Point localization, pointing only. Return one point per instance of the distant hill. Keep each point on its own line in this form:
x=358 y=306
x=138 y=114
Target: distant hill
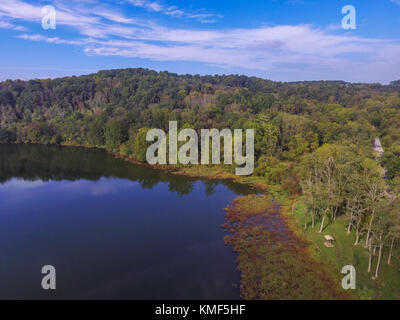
x=109 y=107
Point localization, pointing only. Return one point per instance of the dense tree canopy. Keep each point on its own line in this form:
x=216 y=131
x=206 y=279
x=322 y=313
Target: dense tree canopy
x=292 y=120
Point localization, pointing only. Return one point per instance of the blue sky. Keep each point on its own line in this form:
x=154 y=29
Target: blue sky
x=285 y=40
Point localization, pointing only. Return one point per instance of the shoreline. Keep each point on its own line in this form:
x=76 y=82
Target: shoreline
x=286 y=205
x=285 y=210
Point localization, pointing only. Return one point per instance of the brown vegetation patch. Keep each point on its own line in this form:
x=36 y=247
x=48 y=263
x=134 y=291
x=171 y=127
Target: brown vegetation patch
x=273 y=261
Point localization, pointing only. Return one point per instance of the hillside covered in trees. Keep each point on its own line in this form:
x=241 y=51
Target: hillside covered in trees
x=291 y=119
x=313 y=139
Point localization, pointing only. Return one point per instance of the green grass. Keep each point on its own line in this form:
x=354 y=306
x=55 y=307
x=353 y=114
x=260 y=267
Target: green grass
x=387 y=286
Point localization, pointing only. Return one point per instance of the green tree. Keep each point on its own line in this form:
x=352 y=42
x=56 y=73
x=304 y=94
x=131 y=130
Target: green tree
x=266 y=136
x=96 y=132
x=115 y=134
x=141 y=145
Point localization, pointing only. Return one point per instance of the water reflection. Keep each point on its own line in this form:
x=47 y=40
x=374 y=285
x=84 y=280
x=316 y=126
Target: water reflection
x=45 y=163
x=111 y=229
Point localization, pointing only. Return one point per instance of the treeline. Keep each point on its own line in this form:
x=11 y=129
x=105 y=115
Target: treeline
x=337 y=181
x=291 y=119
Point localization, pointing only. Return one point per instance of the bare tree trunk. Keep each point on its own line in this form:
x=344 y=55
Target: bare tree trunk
x=334 y=214
x=391 y=250
x=370 y=227
x=293 y=206
x=370 y=257
x=374 y=251
x=379 y=260
x=313 y=221
x=322 y=224
x=349 y=228
x=357 y=239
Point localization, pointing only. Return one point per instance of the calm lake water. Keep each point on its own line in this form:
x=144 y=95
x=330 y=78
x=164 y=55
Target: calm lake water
x=111 y=229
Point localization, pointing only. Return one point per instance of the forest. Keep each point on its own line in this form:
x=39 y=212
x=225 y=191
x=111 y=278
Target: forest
x=314 y=140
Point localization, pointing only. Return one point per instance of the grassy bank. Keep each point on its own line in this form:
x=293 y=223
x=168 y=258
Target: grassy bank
x=387 y=286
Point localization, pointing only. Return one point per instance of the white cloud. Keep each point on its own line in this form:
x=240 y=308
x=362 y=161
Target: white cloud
x=150 y=5
x=396 y=2
x=205 y=17
x=293 y=49
x=271 y=49
x=113 y=17
x=7 y=25
x=174 y=11
x=55 y=40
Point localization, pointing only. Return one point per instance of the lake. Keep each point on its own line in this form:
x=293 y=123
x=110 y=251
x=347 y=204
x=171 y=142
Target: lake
x=111 y=229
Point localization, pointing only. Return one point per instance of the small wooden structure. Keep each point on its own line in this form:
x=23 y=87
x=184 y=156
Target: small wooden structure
x=329 y=241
